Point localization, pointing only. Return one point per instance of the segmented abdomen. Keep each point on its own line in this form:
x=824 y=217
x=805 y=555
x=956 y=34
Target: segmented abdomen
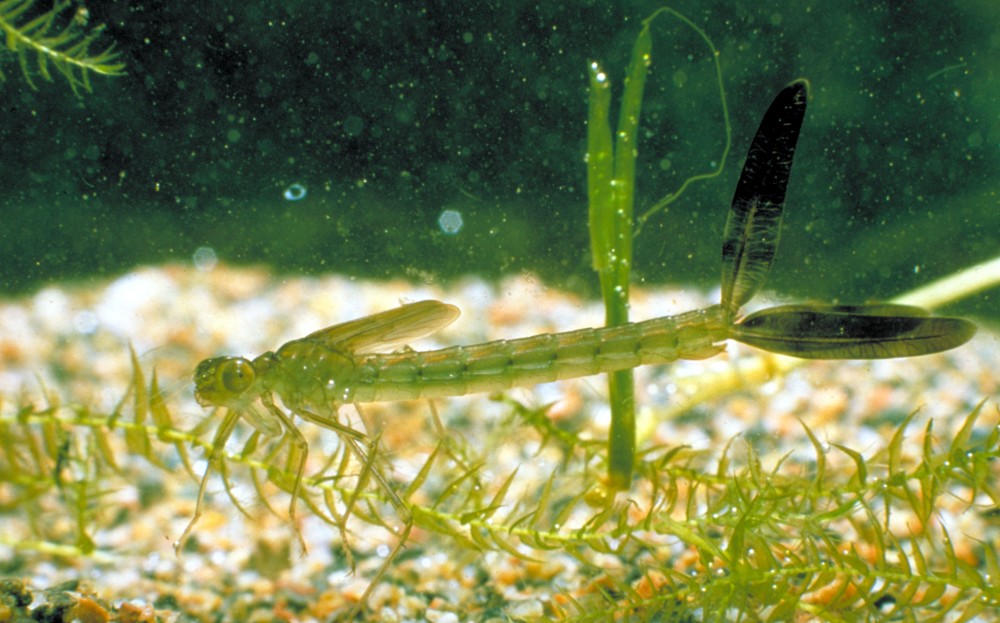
x=504 y=364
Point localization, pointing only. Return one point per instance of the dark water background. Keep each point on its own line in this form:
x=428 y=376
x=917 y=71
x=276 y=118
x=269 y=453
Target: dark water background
x=388 y=115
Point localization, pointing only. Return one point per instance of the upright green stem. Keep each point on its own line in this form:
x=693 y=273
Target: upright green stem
x=611 y=195
x=611 y=186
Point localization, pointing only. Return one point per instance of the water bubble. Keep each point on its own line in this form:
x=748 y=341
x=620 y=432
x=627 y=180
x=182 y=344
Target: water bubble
x=204 y=259
x=450 y=222
x=295 y=192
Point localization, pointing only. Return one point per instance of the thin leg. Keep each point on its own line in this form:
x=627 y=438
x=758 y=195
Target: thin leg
x=353 y=439
x=218 y=446
x=298 y=453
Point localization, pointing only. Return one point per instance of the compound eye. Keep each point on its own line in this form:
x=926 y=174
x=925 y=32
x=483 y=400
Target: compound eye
x=236 y=375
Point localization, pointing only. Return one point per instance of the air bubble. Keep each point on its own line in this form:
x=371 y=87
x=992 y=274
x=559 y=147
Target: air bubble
x=450 y=222
x=295 y=192
x=204 y=259
x=85 y=322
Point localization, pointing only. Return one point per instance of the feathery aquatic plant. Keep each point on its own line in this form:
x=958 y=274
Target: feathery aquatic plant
x=59 y=39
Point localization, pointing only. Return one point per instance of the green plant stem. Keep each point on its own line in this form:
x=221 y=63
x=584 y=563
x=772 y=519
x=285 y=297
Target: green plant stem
x=611 y=193
x=610 y=186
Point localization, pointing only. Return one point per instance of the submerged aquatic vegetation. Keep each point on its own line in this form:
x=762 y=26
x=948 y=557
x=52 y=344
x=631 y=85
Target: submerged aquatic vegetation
x=832 y=530
x=60 y=38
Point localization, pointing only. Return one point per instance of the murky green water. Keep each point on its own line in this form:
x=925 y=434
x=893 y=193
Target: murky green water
x=379 y=141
